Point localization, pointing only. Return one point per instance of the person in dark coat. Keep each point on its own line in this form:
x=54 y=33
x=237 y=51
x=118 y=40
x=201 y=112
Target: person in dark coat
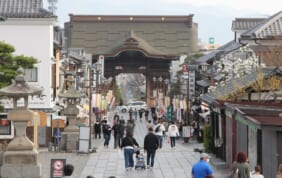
x=151 y=144
x=146 y=114
x=107 y=133
x=130 y=126
x=97 y=129
x=140 y=114
x=120 y=131
x=115 y=129
x=130 y=112
x=127 y=145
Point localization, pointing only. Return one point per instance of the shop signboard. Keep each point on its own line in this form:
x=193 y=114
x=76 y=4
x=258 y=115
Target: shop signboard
x=57 y=168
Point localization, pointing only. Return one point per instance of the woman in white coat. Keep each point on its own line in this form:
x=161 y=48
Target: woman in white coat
x=172 y=133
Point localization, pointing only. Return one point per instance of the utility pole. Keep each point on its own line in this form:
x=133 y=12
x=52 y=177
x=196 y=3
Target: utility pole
x=90 y=104
x=97 y=68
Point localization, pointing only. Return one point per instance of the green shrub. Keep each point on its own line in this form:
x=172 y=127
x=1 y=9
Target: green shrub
x=207 y=138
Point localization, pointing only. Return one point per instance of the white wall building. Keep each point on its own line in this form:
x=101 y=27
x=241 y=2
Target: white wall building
x=29 y=28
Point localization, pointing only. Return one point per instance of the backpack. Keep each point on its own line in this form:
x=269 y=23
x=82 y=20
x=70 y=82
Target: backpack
x=157 y=129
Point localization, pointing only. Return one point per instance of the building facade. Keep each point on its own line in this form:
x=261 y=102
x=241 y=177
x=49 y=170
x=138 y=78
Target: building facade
x=30 y=29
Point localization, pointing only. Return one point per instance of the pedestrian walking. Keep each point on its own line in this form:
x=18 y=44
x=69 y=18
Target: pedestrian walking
x=120 y=132
x=154 y=117
x=150 y=124
x=140 y=114
x=257 y=173
x=130 y=112
x=135 y=113
x=279 y=173
x=128 y=143
x=151 y=144
x=172 y=133
x=115 y=130
x=201 y=169
x=116 y=117
x=122 y=120
x=130 y=126
x=146 y=114
x=97 y=129
x=107 y=133
x=159 y=130
x=241 y=166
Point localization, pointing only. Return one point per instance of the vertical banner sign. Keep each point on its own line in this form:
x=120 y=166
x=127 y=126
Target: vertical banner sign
x=57 y=168
x=102 y=62
x=191 y=84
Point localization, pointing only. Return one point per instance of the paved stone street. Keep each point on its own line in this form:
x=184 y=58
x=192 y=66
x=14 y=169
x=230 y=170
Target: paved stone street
x=168 y=164
x=109 y=162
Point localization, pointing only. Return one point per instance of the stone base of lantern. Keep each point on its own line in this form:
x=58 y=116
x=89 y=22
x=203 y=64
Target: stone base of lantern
x=69 y=141
x=21 y=164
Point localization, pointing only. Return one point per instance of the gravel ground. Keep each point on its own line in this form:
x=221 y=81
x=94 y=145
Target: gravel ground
x=77 y=160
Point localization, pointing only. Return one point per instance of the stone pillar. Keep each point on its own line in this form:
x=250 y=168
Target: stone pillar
x=21 y=158
x=71 y=132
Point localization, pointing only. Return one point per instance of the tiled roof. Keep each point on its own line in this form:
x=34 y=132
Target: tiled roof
x=271 y=26
x=230 y=46
x=268 y=121
x=24 y=9
x=132 y=41
x=236 y=83
x=224 y=49
x=264 y=115
x=245 y=23
x=212 y=55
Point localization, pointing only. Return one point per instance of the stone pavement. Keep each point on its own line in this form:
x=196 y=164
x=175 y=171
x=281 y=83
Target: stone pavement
x=169 y=163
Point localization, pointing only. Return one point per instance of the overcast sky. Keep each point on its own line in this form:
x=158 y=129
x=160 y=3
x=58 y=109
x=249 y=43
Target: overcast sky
x=214 y=17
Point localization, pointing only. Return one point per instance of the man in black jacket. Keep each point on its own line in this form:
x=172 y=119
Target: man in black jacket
x=97 y=129
x=151 y=144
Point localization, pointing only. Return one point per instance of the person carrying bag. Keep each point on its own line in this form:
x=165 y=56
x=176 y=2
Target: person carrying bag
x=128 y=144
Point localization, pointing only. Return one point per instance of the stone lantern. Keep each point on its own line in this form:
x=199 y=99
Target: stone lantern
x=71 y=132
x=21 y=157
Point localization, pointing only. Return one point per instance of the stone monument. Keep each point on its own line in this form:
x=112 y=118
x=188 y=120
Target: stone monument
x=70 y=135
x=21 y=157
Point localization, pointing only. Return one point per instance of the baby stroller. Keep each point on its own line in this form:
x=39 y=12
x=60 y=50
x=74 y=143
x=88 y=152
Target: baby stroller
x=140 y=160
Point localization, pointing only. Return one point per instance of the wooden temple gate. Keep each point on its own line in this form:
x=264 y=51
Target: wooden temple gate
x=135 y=44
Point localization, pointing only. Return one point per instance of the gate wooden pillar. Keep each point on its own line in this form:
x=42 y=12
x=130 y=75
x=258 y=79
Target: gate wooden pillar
x=149 y=92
